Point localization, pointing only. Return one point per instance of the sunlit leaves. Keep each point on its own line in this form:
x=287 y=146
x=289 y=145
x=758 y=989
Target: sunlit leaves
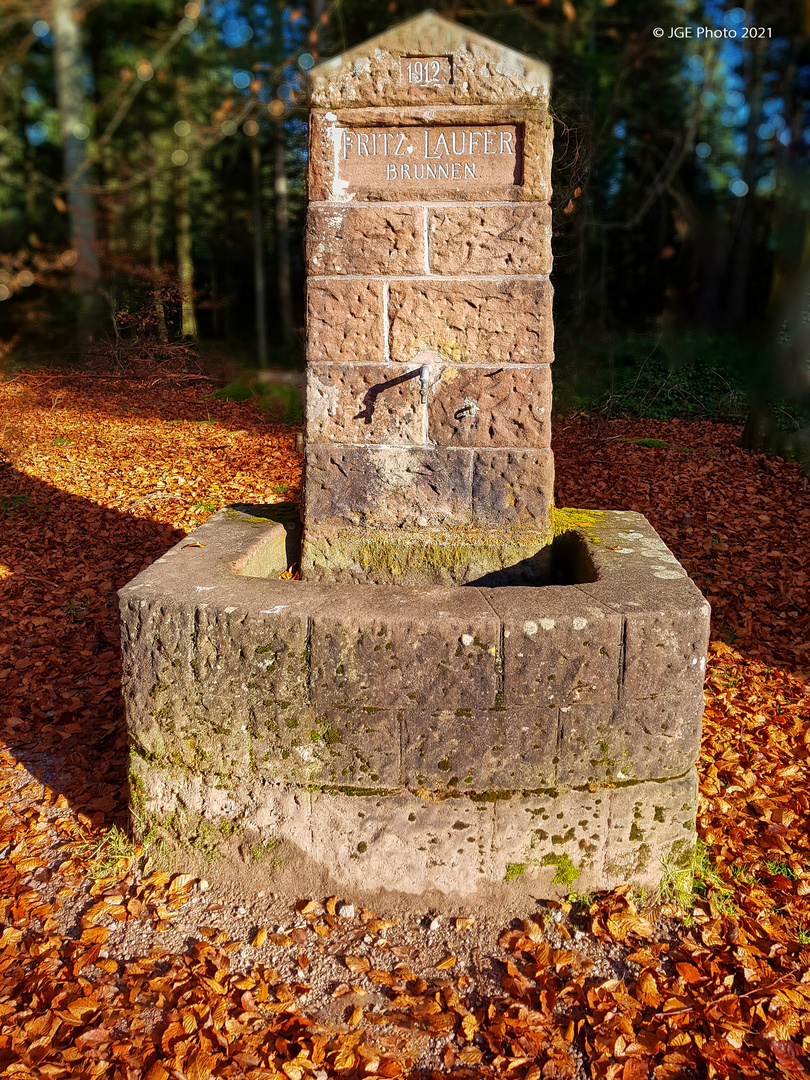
x=605 y=983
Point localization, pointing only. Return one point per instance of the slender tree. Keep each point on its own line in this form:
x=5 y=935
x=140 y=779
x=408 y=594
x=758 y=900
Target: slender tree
x=259 y=283
x=71 y=98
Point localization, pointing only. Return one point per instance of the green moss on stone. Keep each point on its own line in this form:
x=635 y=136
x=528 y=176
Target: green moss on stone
x=515 y=870
x=566 y=873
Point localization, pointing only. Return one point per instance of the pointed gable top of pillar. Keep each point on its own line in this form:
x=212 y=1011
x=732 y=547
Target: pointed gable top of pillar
x=464 y=68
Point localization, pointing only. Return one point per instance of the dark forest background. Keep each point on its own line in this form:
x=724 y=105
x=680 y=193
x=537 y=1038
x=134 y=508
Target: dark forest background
x=151 y=190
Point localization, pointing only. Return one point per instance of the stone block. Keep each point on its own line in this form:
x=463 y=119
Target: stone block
x=639 y=740
x=666 y=631
x=554 y=838
x=479 y=70
x=350 y=746
x=582 y=841
x=422 y=556
x=479 y=751
x=666 y=617
x=385 y=649
x=325 y=747
x=491 y=321
x=652 y=825
x=345 y=320
x=490 y=240
x=343 y=239
x=202 y=683
x=387 y=486
x=363 y=404
x=665 y=651
x=491 y=407
x=401 y=843
x=560 y=647
x=512 y=487
x=399 y=154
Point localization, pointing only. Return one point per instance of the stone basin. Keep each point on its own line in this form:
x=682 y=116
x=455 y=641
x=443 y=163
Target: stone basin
x=447 y=741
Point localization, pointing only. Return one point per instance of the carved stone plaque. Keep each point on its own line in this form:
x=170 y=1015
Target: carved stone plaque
x=397 y=157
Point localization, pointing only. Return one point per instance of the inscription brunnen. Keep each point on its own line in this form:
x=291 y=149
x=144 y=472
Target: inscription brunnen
x=486 y=155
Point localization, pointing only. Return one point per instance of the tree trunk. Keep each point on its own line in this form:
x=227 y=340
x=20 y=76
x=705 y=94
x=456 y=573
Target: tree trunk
x=282 y=231
x=259 y=284
x=71 y=100
x=154 y=259
x=185 y=258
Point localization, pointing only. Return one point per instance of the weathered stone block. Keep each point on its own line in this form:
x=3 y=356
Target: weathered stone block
x=560 y=647
x=666 y=623
x=399 y=154
x=512 y=487
x=652 y=825
x=420 y=650
x=491 y=321
x=640 y=740
x=559 y=840
x=186 y=660
x=665 y=651
x=353 y=746
x=387 y=486
x=490 y=240
x=402 y=843
x=552 y=838
x=325 y=747
x=472 y=751
x=481 y=70
x=421 y=556
x=363 y=404
x=367 y=239
x=345 y=320
x=491 y=407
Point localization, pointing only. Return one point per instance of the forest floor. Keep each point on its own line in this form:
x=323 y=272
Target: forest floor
x=111 y=969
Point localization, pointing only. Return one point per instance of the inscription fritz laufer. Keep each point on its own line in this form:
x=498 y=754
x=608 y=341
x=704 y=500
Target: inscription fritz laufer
x=471 y=154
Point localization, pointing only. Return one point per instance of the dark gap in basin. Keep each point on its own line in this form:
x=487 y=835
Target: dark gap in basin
x=565 y=561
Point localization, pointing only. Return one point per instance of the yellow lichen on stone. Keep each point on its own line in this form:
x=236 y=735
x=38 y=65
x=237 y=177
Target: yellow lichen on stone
x=565 y=519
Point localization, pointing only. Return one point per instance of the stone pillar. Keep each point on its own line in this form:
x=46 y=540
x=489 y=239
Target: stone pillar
x=429 y=328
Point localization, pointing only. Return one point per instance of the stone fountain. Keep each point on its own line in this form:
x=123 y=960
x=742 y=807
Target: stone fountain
x=468 y=694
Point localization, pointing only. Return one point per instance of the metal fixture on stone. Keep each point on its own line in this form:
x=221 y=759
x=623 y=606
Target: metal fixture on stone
x=469 y=694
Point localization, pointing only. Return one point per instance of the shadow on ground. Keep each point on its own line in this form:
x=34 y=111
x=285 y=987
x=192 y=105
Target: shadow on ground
x=62 y=559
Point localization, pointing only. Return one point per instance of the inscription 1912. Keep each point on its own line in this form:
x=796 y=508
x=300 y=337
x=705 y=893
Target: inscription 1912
x=473 y=155
x=427 y=70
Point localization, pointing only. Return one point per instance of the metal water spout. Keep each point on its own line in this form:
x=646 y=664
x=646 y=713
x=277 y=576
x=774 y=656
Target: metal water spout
x=424 y=375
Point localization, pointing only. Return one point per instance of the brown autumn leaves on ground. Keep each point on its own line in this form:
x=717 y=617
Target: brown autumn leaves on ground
x=100 y=476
